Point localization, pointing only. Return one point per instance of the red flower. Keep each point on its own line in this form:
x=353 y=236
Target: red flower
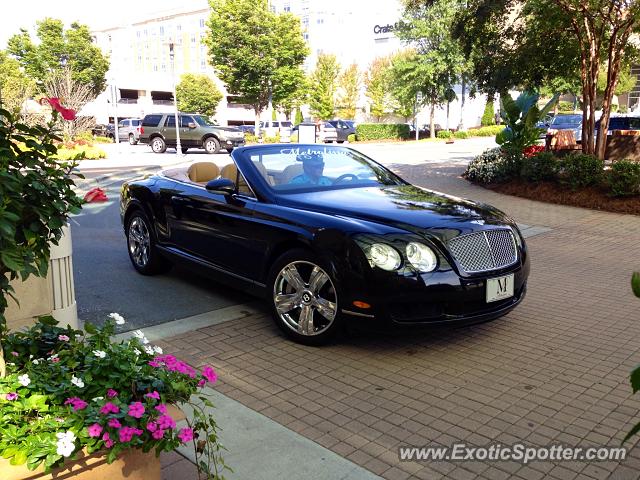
x=67 y=113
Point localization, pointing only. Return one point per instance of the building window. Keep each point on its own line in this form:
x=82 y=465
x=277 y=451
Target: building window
x=162 y=30
x=193 y=39
x=138 y=33
x=305 y=35
x=287 y=7
x=146 y=33
x=179 y=27
x=202 y=23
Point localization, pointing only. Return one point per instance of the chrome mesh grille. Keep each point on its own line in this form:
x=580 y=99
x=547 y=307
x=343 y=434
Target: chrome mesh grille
x=483 y=251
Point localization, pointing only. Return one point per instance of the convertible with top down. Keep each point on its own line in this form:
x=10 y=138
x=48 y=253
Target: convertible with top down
x=328 y=236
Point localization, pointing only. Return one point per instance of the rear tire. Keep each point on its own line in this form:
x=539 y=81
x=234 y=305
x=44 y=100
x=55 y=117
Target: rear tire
x=132 y=139
x=141 y=245
x=303 y=298
x=184 y=149
x=158 y=145
x=211 y=145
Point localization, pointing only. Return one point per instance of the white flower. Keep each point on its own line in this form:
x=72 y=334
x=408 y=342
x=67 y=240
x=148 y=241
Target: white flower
x=77 y=382
x=119 y=319
x=157 y=350
x=140 y=335
x=99 y=353
x=53 y=357
x=24 y=380
x=137 y=352
x=97 y=399
x=65 y=443
x=36 y=361
x=78 y=337
x=148 y=349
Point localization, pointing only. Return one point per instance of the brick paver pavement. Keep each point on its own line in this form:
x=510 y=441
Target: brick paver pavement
x=555 y=370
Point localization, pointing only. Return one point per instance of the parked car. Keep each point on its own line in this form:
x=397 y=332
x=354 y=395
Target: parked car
x=567 y=122
x=251 y=129
x=328 y=236
x=104 y=130
x=621 y=122
x=129 y=130
x=344 y=128
x=544 y=124
x=326 y=133
x=196 y=131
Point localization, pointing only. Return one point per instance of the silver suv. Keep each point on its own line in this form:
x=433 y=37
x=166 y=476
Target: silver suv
x=129 y=130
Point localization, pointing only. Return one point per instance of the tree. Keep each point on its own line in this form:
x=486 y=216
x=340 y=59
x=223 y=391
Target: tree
x=322 y=98
x=437 y=61
x=258 y=54
x=377 y=82
x=76 y=95
x=15 y=87
x=349 y=85
x=56 y=49
x=197 y=93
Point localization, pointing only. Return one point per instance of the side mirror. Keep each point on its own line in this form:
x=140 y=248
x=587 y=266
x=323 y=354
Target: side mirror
x=222 y=186
x=191 y=125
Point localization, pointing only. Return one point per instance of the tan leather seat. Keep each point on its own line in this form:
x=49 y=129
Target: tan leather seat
x=203 y=172
x=231 y=172
x=290 y=172
x=263 y=171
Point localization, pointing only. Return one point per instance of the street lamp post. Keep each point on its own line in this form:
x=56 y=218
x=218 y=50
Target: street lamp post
x=114 y=102
x=175 y=100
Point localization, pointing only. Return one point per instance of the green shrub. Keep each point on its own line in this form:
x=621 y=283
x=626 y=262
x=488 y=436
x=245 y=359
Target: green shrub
x=462 y=134
x=445 y=134
x=275 y=139
x=80 y=152
x=102 y=140
x=580 y=170
x=351 y=138
x=250 y=138
x=493 y=165
x=565 y=106
x=486 y=131
x=382 y=131
x=299 y=118
x=488 y=117
x=543 y=166
x=624 y=178
x=87 y=136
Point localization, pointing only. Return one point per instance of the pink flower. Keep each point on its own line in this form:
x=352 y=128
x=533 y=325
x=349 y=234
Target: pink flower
x=76 y=403
x=108 y=408
x=11 y=396
x=152 y=426
x=67 y=113
x=15 y=354
x=210 y=374
x=185 y=435
x=63 y=338
x=107 y=440
x=125 y=434
x=114 y=423
x=153 y=394
x=154 y=363
x=111 y=393
x=94 y=430
x=136 y=410
x=158 y=434
x=55 y=359
x=202 y=383
x=161 y=408
x=166 y=421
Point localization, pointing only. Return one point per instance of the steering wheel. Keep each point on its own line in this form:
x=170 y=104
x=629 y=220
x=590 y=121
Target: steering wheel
x=343 y=177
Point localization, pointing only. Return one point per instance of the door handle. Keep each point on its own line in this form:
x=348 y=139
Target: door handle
x=180 y=201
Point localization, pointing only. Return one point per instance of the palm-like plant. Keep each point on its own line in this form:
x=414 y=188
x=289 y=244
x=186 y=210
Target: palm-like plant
x=635 y=373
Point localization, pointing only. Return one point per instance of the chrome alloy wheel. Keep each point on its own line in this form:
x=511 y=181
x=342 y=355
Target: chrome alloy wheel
x=139 y=242
x=305 y=298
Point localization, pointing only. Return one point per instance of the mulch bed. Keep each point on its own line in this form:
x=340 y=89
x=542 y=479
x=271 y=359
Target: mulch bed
x=592 y=197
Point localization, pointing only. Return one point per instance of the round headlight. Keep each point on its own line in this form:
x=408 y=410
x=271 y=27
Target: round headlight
x=384 y=256
x=421 y=257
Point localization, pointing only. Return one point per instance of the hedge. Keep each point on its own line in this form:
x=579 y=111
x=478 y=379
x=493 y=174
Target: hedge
x=624 y=178
x=80 y=152
x=382 y=131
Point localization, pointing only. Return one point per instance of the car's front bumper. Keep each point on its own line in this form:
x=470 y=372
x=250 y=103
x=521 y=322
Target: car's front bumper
x=232 y=143
x=431 y=300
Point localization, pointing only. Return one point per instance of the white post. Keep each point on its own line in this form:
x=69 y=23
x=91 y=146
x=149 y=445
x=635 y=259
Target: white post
x=114 y=101
x=63 y=298
x=175 y=100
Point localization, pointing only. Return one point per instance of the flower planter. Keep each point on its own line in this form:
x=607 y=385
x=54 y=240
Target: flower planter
x=132 y=465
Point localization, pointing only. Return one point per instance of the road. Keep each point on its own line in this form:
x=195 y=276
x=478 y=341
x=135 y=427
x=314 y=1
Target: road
x=106 y=282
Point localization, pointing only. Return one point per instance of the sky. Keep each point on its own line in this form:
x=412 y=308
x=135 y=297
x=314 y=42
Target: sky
x=96 y=14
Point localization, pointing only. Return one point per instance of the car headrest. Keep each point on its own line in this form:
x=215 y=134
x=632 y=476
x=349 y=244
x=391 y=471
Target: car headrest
x=202 y=172
x=230 y=171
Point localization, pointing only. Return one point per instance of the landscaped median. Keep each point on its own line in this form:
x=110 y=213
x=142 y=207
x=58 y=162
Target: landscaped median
x=575 y=179
x=373 y=132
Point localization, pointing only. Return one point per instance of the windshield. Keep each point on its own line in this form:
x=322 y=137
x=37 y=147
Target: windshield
x=308 y=168
x=203 y=121
x=563 y=120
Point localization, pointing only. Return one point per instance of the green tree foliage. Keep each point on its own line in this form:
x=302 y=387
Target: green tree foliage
x=625 y=84
x=324 y=85
x=197 y=93
x=56 y=48
x=298 y=118
x=255 y=51
x=377 y=82
x=488 y=117
x=437 y=62
x=349 y=82
x=15 y=87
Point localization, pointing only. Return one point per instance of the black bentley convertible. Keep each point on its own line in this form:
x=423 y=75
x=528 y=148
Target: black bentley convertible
x=328 y=236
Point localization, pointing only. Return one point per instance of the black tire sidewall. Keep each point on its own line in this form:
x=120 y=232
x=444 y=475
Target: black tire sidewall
x=156 y=263
x=304 y=255
x=215 y=142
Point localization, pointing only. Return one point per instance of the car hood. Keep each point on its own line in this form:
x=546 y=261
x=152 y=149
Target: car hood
x=227 y=129
x=406 y=207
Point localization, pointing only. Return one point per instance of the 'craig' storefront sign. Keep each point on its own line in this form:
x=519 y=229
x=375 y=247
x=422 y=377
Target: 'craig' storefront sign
x=384 y=31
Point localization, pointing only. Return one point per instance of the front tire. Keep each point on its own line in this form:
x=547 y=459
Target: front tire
x=303 y=298
x=141 y=245
x=211 y=145
x=158 y=145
